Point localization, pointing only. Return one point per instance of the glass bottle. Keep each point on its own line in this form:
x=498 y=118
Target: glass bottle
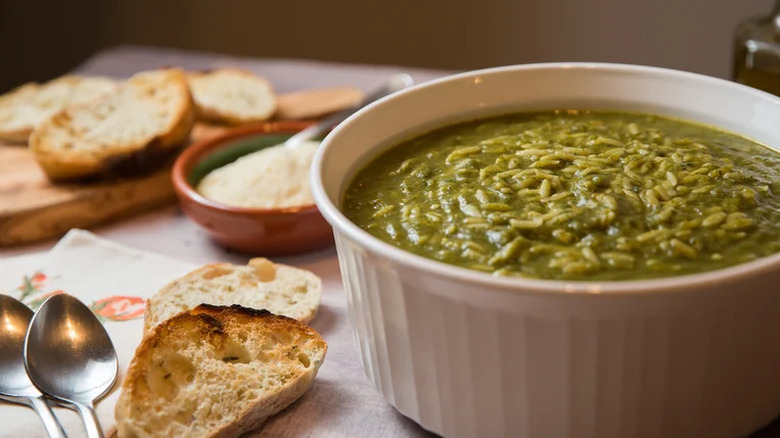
x=757 y=52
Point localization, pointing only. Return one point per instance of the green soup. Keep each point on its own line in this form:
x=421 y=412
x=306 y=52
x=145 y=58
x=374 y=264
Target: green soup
x=574 y=195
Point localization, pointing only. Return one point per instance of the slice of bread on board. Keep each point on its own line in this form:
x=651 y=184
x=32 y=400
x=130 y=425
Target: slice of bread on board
x=261 y=284
x=216 y=372
x=24 y=108
x=232 y=96
x=131 y=130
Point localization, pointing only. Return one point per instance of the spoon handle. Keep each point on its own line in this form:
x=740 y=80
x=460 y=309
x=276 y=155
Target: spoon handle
x=397 y=82
x=90 y=420
x=50 y=422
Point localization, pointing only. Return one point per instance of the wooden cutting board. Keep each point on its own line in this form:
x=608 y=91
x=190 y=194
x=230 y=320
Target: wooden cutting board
x=32 y=208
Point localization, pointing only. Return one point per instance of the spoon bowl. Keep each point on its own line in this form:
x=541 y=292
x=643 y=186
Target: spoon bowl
x=69 y=356
x=15 y=386
x=14 y=319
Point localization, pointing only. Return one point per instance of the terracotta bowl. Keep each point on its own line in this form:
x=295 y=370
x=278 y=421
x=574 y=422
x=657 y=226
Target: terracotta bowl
x=260 y=231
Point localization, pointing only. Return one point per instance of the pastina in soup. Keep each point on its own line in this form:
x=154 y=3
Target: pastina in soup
x=574 y=195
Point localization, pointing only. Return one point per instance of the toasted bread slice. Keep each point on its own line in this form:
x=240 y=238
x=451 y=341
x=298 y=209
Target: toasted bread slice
x=26 y=107
x=232 y=96
x=131 y=130
x=261 y=284
x=216 y=372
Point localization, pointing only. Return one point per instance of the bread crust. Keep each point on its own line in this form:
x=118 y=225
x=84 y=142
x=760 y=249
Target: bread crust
x=258 y=273
x=216 y=325
x=18 y=136
x=134 y=157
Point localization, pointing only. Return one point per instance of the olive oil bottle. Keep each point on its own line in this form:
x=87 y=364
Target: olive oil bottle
x=757 y=52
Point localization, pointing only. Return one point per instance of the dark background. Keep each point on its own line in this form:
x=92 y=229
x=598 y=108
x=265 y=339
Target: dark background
x=43 y=39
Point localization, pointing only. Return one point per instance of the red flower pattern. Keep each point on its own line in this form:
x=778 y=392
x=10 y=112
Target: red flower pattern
x=119 y=308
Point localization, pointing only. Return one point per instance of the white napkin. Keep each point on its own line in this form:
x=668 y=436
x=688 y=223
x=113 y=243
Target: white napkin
x=114 y=280
x=341 y=404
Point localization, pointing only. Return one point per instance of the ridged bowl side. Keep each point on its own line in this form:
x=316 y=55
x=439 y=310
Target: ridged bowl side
x=465 y=361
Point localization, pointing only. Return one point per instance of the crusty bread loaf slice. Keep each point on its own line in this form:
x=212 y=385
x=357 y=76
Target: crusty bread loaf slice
x=130 y=130
x=232 y=96
x=281 y=289
x=26 y=107
x=216 y=372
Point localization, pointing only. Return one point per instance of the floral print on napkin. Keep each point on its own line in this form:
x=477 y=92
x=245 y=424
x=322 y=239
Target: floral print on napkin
x=33 y=292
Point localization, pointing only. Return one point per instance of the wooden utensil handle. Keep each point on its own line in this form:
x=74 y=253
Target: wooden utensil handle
x=313 y=104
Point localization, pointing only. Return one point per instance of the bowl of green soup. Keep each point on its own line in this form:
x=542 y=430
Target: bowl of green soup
x=564 y=250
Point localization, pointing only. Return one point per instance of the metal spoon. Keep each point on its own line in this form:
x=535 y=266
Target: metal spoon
x=15 y=386
x=69 y=356
x=397 y=82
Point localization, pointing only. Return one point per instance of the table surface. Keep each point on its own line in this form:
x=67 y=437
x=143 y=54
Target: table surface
x=342 y=403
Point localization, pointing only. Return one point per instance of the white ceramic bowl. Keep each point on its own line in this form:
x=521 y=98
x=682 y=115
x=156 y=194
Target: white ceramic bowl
x=466 y=354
